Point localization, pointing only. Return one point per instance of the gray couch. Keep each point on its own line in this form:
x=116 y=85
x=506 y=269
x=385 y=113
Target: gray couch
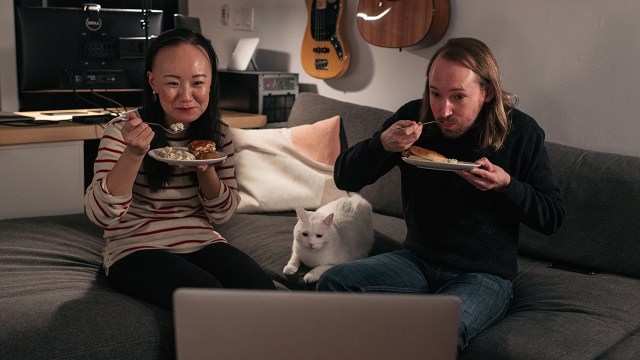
x=56 y=303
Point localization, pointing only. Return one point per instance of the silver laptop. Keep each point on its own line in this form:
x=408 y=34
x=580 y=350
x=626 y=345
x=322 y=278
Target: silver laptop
x=282 y=325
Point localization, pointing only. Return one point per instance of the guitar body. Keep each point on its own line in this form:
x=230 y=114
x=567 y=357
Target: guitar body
x=403 y=23
x=324 y=49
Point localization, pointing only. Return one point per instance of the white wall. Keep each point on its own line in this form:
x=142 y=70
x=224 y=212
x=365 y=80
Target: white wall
x=8 y=71
x=572 y=62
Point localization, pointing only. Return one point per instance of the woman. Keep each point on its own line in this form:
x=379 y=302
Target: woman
x=156 y=217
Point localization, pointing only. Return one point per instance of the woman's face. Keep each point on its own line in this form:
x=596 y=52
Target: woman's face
x=181 y=75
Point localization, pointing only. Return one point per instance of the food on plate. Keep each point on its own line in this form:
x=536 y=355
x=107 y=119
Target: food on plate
x=169 y=152
x=196 y=150
x=417 y=152
x=177 y=127
x=203 y=149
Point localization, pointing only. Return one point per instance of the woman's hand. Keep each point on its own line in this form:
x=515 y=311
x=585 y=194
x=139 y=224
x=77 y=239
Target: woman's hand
x=209 y=181
x=137 y=134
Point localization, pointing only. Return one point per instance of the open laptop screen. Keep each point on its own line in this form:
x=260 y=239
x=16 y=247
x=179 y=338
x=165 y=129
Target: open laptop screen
x=270 y=325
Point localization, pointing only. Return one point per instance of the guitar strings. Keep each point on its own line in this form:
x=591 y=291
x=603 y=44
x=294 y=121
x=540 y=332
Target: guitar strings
x=321 y=33
x=317 y=34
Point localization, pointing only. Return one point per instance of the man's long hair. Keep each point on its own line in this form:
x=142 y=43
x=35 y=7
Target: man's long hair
x=476 y=56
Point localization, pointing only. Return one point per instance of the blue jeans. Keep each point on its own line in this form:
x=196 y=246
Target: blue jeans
x=485 y=298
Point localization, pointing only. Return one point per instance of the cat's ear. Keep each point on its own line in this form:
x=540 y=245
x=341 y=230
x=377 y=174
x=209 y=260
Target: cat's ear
x=302 y=214
x=328 y=220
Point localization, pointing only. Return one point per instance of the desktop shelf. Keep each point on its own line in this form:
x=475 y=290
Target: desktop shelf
x=61 y=99
x=79 y=91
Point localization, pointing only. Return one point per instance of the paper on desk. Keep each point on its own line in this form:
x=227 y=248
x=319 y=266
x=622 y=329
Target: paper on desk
x=52 y=117
x=61 y=115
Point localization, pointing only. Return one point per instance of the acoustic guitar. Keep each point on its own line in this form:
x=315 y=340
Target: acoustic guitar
x=324 y=50
x=403 y=23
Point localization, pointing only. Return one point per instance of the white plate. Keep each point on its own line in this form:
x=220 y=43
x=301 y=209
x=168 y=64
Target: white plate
x=433 y=165
x=153 y=154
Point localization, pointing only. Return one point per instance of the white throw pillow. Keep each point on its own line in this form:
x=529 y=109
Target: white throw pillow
x=284 y=168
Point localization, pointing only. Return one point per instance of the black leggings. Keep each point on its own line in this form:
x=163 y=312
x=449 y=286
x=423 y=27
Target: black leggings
x=153 y=275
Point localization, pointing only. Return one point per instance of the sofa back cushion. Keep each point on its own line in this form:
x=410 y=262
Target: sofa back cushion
x=601 y=193
x=359 y=122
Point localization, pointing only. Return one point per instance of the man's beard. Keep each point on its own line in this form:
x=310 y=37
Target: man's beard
x=452 y=133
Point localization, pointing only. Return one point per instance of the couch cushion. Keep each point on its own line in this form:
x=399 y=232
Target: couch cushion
x=284 y=168
x=319 y=141
x=56 y=301
x=601 y=193
x=558 y=314
x=627 y=348
x=359 y=122
x=268 y=238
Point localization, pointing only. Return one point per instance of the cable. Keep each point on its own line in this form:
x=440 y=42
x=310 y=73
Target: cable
x=95 y=105
x=112 y=101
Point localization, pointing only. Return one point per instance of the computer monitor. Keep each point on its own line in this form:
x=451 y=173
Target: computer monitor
x=187 y=22
x=61 y=48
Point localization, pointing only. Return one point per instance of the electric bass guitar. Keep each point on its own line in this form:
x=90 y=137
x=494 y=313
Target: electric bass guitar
x=324 y=50
x=403 y=23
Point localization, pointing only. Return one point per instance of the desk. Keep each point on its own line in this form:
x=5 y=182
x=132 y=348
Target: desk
x=70 y=131
x=45 y=167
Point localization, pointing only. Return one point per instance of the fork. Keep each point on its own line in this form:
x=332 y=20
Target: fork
x=427 y=123
x=125 y=117
x=422 y=123
x=170 y=131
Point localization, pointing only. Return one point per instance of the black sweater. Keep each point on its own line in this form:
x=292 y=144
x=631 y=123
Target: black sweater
x=449 y=221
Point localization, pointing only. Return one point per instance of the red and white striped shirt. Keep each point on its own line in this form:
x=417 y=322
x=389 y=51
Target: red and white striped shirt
x=177 y=218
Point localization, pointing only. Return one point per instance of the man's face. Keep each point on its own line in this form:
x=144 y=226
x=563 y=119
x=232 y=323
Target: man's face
x=455 y=96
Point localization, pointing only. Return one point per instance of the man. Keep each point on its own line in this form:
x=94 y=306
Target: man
x=462 y=225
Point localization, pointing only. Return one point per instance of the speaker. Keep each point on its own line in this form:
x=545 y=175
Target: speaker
x=261 y=92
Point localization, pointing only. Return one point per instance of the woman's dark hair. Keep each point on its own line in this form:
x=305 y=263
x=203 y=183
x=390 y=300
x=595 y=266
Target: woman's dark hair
x=207 y=126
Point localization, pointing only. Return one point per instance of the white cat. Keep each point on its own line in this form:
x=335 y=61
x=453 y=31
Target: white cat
x=335 y=233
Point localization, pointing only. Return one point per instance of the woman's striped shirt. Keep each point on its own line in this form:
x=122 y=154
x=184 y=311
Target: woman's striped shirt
x=178 y=218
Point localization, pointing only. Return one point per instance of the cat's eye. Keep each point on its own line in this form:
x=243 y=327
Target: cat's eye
x=305 y=234
x=318 y=236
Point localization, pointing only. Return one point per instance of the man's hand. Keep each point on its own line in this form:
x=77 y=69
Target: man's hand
x=487 y=176
x=401 y=135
